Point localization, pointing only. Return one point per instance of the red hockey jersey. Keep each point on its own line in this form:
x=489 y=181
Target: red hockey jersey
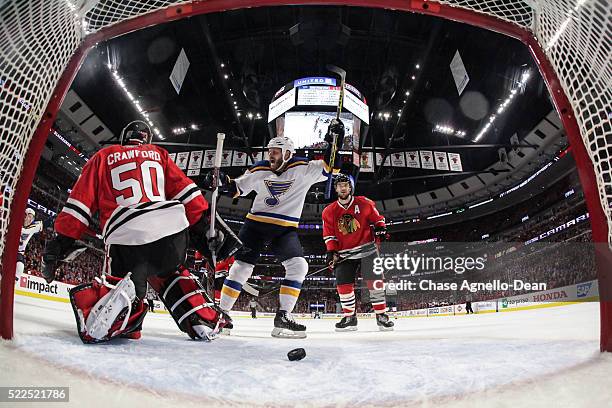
x=347 y=229
x=223 y=267
x=141 y=195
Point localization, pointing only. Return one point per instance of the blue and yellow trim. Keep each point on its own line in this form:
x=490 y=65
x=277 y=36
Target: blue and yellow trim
x=327 y=169
x=267 y=219
x=290 y=287
x=297 y=163
x=231 y=288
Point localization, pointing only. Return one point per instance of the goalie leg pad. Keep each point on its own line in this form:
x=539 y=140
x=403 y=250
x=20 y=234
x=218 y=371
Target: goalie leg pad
x=105 y=309
x=189 y=305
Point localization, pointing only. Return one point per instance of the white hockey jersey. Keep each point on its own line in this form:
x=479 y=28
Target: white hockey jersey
x=280 y=197
x=27 y=233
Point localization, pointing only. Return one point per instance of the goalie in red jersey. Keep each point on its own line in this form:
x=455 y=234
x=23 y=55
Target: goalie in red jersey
x=149 y=212
x=351 y=227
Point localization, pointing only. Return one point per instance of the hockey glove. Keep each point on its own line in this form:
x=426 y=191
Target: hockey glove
x=224 y=182
x=380 y=233
x=336 y=127
x=56 y=250
x=330 y=259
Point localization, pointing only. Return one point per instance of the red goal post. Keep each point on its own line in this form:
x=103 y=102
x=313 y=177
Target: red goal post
x=43 y=43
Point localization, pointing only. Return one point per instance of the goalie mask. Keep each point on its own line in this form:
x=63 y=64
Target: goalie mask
x=136 y=132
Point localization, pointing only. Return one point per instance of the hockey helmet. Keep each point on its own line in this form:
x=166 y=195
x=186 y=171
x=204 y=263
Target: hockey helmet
x=345 y=178
x=283 y=143
x=136 y=132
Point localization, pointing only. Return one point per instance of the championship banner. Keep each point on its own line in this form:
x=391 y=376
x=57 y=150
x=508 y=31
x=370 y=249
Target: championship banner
x=427 y=159
x=398 y=159
x=441 y=160
x=226 y=158
x=195 y=159
x=256 y=156
x=379 y=157
x=239 y=159
x=412 y=160
x=181 y=160
x=455 y=161
x=367 y=162
x=172 y=156
x=209 y=159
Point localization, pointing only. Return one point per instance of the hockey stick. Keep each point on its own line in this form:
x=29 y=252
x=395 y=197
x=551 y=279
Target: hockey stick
x=215 y=194
x=345 y=258
x=342 y=74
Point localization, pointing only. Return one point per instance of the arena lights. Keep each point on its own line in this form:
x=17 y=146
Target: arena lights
x=431 y=217
x=448 y=130
x=502 y=107
x=121 y=83
x=481 y=203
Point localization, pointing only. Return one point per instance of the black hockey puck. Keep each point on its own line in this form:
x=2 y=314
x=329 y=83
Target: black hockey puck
x=296 y=354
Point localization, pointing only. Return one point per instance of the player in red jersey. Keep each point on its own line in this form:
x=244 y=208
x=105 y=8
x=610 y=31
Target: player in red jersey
x=221 y=271
x=149 y=212
x=351 y=227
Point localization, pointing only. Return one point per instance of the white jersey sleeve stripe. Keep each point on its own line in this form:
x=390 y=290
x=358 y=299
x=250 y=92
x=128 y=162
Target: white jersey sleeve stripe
x=191 y=196
x=76 y=215
x=183 y=191
x=80 y=205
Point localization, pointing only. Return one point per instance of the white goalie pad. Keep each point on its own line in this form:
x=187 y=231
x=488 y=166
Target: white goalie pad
x=109 y=307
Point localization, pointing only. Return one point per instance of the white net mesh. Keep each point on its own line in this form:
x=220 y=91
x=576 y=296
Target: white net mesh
x=577 y=39
x=37 y=38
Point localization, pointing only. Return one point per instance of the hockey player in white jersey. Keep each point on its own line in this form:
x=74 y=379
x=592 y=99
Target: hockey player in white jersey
x=30 y=227
x=281 y=185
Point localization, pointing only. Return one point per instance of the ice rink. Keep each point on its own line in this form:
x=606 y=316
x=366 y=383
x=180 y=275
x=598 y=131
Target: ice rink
x=543 y=357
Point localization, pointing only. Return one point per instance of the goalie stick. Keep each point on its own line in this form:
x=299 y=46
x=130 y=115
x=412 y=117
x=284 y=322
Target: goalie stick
x=215 y=193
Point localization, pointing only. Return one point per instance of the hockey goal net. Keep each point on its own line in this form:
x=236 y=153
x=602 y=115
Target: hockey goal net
x=42 y=44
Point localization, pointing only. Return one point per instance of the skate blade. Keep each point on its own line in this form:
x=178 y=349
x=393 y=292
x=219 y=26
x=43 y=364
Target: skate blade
x=346 y=329
x=287 y=334
x=382 y=328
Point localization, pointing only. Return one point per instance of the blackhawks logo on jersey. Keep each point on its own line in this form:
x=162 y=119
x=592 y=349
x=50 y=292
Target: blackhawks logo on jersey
x=347 y=224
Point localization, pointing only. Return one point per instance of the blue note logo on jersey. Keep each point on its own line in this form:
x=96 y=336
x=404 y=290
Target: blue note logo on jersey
x=276 y=189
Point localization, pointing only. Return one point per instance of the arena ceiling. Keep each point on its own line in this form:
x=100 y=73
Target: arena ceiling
x=385 y=53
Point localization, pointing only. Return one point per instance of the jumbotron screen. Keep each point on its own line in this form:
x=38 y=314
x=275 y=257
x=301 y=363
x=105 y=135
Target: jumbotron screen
x=308 y=129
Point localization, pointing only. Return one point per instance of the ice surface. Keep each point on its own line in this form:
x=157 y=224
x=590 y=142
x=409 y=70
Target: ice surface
x=539 y=357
